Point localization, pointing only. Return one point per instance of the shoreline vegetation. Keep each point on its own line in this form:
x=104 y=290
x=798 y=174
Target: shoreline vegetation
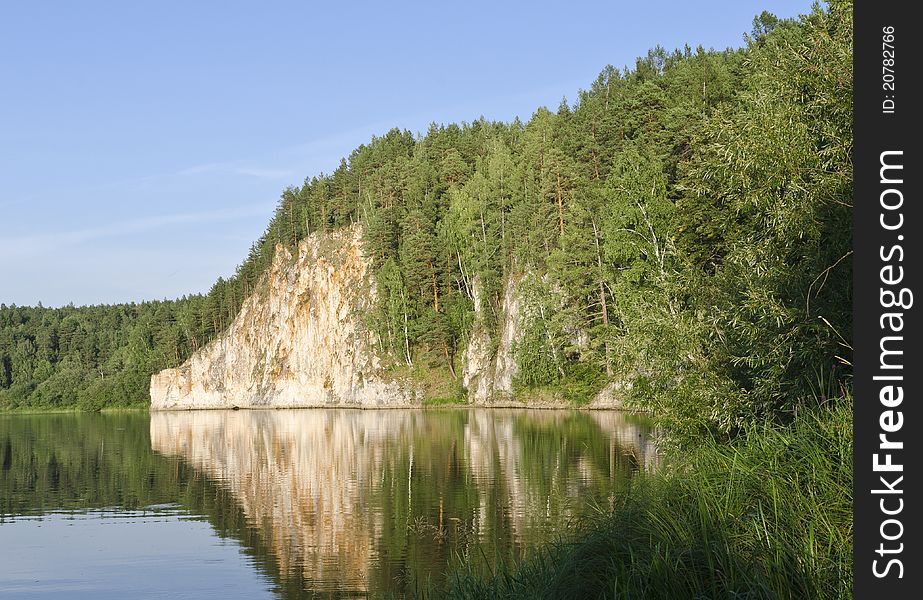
x=767 y=516
x=683 y=226
x=435 y=404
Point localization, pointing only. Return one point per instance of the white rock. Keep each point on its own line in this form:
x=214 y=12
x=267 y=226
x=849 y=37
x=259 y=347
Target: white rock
x=300 y=341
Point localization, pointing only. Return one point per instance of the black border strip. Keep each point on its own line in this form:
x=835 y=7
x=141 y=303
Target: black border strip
x=886 y=270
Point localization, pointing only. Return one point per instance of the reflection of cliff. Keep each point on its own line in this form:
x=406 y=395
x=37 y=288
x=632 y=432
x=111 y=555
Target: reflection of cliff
x=551 y=462
x=300 y=481
x=340 y=495
x=629 y=440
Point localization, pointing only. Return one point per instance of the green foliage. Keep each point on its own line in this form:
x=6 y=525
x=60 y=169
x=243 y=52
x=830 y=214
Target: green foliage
x=94 y=356
x=768 y=278
x=539 y=364
x=767 y=517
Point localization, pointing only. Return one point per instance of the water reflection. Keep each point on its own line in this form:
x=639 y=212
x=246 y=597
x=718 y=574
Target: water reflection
x=349 y=501
x=88 y=510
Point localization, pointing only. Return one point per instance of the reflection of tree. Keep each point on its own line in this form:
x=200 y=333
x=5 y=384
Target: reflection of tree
x=62 y=461
x=56 y=462
x=380 y=499
x=357 y=499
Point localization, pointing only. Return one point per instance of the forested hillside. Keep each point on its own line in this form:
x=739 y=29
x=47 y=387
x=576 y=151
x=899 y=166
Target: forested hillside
x=683 y=225
x=96 y=356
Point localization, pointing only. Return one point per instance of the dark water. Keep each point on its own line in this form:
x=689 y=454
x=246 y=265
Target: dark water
x=294 y=504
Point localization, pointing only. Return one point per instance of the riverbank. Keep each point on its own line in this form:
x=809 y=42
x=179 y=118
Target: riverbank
x=435 y=404
x=768 y=516
x=32 y=410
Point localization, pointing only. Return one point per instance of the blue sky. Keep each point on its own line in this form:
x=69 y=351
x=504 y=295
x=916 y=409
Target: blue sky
x=143 y=146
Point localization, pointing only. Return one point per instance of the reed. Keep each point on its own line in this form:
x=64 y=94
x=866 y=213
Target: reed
x=768 y=516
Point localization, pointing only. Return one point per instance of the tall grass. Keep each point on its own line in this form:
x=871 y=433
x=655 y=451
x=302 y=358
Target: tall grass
x=769 y=516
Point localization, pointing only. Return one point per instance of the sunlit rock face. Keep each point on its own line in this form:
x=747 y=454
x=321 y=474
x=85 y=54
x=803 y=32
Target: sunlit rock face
x=349 y=499
x=488 y=372
x=301 y=341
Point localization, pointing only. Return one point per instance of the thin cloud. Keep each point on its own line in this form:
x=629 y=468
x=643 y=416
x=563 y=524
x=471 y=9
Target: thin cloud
x=198 y=169
x=265 y=173
x=45 y=242
x=14 y=202
x=289 y=162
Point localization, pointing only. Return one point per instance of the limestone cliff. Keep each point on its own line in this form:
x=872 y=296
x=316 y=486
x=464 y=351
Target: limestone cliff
x=300 y=341
x=489 y=367
x=488 y=373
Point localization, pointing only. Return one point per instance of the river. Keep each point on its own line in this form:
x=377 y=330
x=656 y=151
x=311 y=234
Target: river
x=331 y=503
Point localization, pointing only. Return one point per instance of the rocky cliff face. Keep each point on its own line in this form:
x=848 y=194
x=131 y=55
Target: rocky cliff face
x=487 y=375
x=299 y=342
x=490 y=367
x=302 y=341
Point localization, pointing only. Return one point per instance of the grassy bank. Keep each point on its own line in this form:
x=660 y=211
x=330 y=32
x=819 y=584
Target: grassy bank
x=769 y=516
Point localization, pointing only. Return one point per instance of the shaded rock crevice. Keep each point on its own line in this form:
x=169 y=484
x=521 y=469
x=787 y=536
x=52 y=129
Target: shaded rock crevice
x=489 y=368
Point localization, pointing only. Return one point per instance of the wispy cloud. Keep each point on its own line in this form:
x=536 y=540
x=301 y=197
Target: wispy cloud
x=198 y=169
x=242 y=168
x=52 y=241
x=291 y=163
x=265 y=173
x=236 y=167
x=14 y=201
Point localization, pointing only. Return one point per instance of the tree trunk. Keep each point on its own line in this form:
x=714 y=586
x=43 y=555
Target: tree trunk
x=560 y=195
x=602 y=296
x=406 y=334
x=448 y=359
x=435 y=287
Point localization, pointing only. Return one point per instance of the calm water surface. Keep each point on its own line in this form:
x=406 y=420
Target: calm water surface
x=330 y=503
